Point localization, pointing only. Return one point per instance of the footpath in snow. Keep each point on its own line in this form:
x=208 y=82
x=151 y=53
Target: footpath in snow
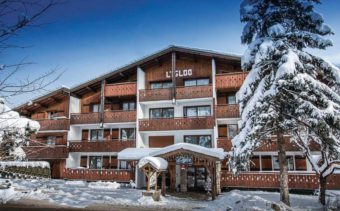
x=80 y=194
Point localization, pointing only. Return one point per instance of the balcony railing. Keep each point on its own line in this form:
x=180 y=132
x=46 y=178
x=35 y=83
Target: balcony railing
x=46 y=152
x=224 y=143
x=121 y=89
x=176 y=124
x=119 y=116
x=54 y=124
x=230 y=81
x=297 y=180
x=227 y=111
x=109 y=117
x=181 y=93
x=100 y=146
x=95 y=175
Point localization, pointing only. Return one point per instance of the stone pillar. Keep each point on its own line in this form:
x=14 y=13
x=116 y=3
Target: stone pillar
x=184 y=180
x=218 y=177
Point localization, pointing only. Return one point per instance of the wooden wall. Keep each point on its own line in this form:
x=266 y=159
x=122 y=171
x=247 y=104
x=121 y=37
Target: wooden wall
x=61 y=107
x=200 y=69
x=160 y=141
x=227 y=67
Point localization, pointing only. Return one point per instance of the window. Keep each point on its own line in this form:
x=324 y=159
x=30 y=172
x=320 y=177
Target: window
x=52 y=114
x=96 y=162
x=232 y=131
x=161 y=113
x=127 y=134
x=300 y=163
x=129 y=106
x=83 y=161
x=197 y=82
x=161 y=85
x=197 y=111
x=289 y=160
x=201 y=140
x=95 y=108
x=97 y=134
x=124 y=165
x=51 y=140
x=232 y=99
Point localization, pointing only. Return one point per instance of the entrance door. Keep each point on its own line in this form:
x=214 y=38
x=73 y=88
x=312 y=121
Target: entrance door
x=197 y=176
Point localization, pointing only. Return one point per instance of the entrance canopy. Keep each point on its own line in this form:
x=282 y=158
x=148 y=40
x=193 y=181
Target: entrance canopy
x=138 y=153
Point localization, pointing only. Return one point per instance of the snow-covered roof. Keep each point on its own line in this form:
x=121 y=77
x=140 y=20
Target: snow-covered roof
x=135 y=153
x=42 y=164
x=212 y=152
x=156 y=162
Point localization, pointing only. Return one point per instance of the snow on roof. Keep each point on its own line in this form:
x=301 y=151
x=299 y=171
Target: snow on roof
x=157 y=162
x=212 y=152
x=135 y=153
x=42 y=164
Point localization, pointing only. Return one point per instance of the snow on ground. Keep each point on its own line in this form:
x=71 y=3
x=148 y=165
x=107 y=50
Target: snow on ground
x=82 y=194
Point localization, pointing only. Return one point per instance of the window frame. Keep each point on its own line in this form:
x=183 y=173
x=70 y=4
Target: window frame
x=196 y=82
x=198 y=139
x=185 y=112
x=162 y=84
x=162 y=113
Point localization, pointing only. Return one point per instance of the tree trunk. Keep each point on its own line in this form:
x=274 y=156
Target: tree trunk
x=322 y=189
x=284 y=191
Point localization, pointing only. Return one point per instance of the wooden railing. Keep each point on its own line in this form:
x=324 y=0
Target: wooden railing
x=155 y=94
x=224 y=143
x=109 y=117
x=85 y=118
x=230 y=81
x=271 y=180
x=227 y=111
x=176 y=124
x=101 y=146
x=121 y=89
x=54 y=124
x=181 y=93
x=46 y=152
x=193 y=92
x=119 y=116
x=267 y=146
x=94 y=174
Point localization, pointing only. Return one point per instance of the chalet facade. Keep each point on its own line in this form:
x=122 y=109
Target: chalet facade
x=100 y=129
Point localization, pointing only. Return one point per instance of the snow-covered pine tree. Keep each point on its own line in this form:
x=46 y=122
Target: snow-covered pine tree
x=286 y=87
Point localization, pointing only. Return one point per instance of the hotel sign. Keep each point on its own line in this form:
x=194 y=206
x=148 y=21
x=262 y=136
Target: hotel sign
x=179 y=73
x=184 y=160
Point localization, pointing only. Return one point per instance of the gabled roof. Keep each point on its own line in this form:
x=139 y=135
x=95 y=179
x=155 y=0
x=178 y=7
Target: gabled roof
x=139 y=62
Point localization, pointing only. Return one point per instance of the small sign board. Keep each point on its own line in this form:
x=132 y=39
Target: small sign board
x=184 y=160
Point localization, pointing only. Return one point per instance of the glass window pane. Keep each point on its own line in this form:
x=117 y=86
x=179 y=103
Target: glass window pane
x=168 y=113
x=255 y=163
x=95 y=162
x=232 y=131
x=290 y=162
x=190 y=139
x=155 y=113
x=132 y=106
x=156 y=85
x=232 y=99
x=204 y=111
x=100 y=134
x=127 y=134
x=167 y=84
x=276 y=165
x=190 y=83
x=191 y=111
x=94 y=135
x=205 y=141
x=202 y=82
x=125 y=106
x=95 y=108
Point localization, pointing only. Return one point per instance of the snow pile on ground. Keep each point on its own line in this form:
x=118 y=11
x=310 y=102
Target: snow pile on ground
x=104 y=185
x=105 y=195
x=27 y=164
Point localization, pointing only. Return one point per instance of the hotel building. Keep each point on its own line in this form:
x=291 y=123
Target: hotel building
x=99 y=129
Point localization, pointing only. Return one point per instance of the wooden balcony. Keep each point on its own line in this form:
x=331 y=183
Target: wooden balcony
x=121 y=89
x=271 y=180
x=181 y=93
x=227 y=111
x=46 y=152
x=109 y=117
x=95 y=175
x=195 y=123
x=230 y=81
x=101 y=146
x=224 y=143
x=54 y=124
x=119 y=116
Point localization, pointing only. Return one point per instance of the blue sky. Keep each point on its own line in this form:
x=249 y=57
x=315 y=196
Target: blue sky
x=88 y=38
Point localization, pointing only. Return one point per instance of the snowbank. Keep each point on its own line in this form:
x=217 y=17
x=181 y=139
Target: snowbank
x=158 y=163
x=104 y=185
x=135 y=153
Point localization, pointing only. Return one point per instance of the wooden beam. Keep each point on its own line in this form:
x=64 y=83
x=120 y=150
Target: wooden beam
x=163 y=183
